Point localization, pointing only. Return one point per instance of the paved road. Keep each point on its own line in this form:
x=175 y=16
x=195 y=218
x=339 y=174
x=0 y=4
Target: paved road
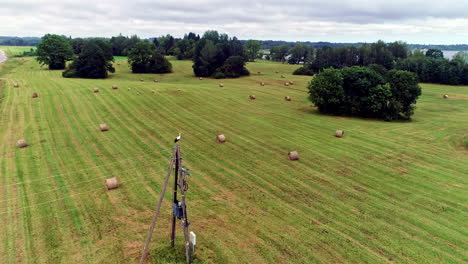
x=2 y=56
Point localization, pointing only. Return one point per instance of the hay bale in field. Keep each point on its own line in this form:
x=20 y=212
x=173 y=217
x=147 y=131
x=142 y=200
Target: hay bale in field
x=35 y=95
x=141 y=80
x=21 y=143
x=282 y=76
x=276 y=71
x=115 y=87
x=291 y=82
x=286 y=84
x=112 y=183
x=259 y=73
x=104 y=127
x=287 y=98
x=220 y=138
x=339 y=133
x=155 y=81
x=16 y=85
x=201 y=78
x=221 y=85
x=252 y=97
x=96 y=90
x=446 y=96
x=262 y=84
x=293 y=155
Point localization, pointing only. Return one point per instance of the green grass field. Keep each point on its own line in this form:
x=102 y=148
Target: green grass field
x=15 y=50
x=388 y=192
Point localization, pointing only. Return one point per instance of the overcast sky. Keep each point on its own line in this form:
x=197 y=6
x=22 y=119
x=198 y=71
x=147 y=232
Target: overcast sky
x=412 y=21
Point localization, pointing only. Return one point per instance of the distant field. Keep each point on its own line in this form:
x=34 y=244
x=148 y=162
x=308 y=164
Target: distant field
x=13 y=50
x=388 y=192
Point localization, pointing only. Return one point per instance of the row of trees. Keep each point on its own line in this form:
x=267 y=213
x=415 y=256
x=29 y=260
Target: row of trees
x=361 y=91
x=435 y=69
x=377 y=53
x=214 y=55
x=430 y=66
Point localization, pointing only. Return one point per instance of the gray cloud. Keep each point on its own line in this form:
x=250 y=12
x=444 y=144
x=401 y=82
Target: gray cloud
x=340 y=20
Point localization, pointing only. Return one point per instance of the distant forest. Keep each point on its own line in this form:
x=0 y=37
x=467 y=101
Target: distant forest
x=266 y=44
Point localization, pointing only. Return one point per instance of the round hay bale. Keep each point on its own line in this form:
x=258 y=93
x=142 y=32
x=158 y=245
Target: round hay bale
x=339 y=133
x=259 y=72
x=293 y=155
x=282 y=76
x=96 y=90
x=287 y=98
x=103 y=127
x=112 y=183
x=221 y=85
x=155 y=81
x=201 y=78
x=220 y=138
x=16 y=85
x=141 y=80
x=291 y=82
x=286 y=84
x=252 y=97
x=115 y=87
x=21 y=143
x=262 y=84
x=446 y=96
x=276 y=71
x=35 y=95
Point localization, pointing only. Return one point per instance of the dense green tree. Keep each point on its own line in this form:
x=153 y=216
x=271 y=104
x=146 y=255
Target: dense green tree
x=297 y=54
x=211 y=52
x=461 y=56
x=145 y=58
x=77 y=45
x=327 y=93
x=54 y=51
x=94 y=61
x=234 y=67
x=398 y=49
x=121 y=45
x=435 y=53
x=279 y=53
x=363 y=92
x=405 y=91
x=252 y=48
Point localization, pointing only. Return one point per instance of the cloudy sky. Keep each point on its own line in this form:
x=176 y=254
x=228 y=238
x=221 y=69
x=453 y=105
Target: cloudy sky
x=412 y=21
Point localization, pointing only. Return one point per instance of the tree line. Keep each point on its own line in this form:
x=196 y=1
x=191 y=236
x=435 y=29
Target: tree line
x=430 y=66
x=215 y=55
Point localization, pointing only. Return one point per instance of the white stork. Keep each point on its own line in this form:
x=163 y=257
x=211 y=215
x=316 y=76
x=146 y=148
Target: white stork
x=177 y=138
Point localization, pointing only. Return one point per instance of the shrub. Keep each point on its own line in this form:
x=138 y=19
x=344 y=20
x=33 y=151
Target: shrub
x=219 y=75
x=303 y=71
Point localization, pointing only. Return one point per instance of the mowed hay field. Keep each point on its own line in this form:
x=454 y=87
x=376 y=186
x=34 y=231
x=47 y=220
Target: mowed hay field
x=387 y=192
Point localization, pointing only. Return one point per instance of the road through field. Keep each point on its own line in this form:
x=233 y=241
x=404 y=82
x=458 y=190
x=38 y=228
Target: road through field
x=3 y=56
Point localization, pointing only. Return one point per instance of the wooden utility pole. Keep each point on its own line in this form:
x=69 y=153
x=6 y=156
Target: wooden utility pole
x=185 y=222
x=179 y=178
x=158 y=208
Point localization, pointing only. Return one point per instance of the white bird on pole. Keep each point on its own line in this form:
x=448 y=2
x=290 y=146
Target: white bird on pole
x=177 y=138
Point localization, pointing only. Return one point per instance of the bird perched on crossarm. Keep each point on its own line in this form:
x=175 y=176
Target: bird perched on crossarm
x=177 y=138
